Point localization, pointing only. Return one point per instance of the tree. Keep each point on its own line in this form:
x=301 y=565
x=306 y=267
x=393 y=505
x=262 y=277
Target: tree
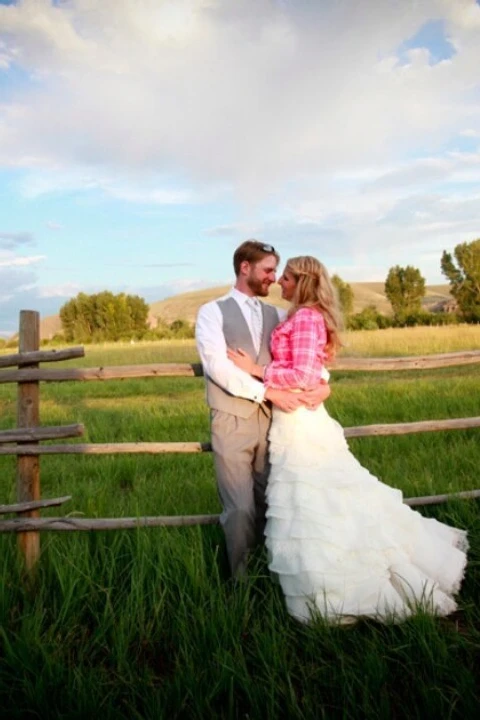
x=405 y=288
x=345 y=295
x=104 y=316
x=464 y=278
x=182 y=329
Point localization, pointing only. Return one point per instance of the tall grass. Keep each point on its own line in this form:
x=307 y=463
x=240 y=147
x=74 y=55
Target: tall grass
x=411 y=341
x=364 y=343
x=147 y=623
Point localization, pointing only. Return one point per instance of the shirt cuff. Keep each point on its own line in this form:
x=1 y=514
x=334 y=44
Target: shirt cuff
x=259 y=395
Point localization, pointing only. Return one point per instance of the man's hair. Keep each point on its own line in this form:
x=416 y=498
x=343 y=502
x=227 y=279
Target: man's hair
x=252 y=251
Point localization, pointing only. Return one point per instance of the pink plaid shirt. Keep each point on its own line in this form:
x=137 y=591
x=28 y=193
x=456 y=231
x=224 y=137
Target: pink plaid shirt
x=298 y=351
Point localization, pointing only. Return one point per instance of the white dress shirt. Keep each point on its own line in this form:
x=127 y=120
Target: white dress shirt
x=212 y=349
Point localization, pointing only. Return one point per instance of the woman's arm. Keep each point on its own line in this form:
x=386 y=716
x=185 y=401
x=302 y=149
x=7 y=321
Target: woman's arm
x=246 y=363
x=307 y=337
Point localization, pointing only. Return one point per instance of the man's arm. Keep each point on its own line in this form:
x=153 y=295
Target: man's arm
x=314 y=397
x=286 y=400
x=212 y=349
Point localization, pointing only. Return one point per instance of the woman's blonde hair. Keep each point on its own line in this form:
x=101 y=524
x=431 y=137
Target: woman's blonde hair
x=315 y=289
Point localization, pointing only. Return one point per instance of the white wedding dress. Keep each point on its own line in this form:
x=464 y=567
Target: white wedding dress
x=342 y=543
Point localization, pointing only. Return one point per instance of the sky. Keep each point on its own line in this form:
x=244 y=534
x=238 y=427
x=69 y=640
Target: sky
x=141 y=141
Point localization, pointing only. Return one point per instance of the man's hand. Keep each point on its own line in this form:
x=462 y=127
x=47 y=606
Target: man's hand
x=284 y=399
x=312 y=399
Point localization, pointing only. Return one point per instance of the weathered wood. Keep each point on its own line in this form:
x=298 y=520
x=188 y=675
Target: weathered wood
x=119 y=372
x=71 y=523
x=411 y=362
x=124 y=372
x=154 y=448
x=34 y=434
x=437 y=499
x=412 y=427
x=38 y=356
x=28 y=416
x=34 y=505
x=144 y=448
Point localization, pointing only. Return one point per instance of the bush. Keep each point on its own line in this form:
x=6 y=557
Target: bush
x=182 y=329
x=369 y=319
x=423 y=317
x=56 y=340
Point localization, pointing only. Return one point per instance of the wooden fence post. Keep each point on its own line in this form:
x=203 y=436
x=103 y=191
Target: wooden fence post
x=28 y=415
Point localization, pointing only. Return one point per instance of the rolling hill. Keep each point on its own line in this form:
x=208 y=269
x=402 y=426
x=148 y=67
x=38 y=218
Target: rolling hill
x=185 y=305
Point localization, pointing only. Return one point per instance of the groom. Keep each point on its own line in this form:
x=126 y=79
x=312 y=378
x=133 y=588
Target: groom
x=240 y=405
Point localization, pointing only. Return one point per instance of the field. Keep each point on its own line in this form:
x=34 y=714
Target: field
x=147 y=624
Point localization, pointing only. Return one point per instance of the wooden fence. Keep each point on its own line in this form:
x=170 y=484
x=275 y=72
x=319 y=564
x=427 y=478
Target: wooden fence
x=24 y=440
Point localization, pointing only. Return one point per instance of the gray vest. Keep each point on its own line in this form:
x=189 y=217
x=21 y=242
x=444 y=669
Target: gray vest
x=237 y=335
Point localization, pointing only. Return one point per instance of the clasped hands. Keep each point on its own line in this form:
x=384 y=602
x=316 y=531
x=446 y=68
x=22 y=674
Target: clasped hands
x=286 y=400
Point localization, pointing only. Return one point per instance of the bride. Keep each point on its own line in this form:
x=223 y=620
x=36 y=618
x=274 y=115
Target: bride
x=341 y=543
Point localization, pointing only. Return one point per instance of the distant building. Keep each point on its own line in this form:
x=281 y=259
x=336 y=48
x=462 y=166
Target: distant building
x=445 y=306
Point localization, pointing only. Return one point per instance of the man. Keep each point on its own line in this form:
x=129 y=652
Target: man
x=239 y=404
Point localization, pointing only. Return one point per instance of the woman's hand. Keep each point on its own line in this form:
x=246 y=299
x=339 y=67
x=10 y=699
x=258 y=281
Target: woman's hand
x=243 y=361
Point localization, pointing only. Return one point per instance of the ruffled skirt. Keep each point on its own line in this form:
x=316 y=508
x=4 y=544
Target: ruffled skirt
x=342 y=543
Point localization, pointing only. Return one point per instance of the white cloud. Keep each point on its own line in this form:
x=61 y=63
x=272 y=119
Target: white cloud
x=59 y=291
x=7 y=260
x=219 y=91
x=156 y=196
x=336 y=142
x=135 y=188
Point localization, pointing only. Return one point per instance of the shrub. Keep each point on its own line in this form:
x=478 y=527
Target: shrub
x=369 y=319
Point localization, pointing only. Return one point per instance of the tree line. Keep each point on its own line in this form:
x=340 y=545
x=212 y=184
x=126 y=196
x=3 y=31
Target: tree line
x=405 y=290
x=107 y=317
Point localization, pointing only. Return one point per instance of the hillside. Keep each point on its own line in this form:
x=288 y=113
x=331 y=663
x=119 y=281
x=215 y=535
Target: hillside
x=185 y=306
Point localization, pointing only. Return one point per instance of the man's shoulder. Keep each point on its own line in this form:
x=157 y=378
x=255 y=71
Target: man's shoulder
x=212 y=304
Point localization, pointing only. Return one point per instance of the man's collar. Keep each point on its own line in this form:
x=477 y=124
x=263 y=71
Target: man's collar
x=239 y=296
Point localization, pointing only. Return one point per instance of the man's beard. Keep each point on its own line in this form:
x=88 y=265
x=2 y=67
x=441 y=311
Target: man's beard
x=257 y=287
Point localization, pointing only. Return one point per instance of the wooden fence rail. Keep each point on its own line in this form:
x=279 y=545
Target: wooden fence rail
x=128 y=372
x=159 y=448
x=37 y=356
x=23 y=441
x=40 y=433
x=67 y=523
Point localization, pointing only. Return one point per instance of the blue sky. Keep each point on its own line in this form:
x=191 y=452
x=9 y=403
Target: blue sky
x=142 y=141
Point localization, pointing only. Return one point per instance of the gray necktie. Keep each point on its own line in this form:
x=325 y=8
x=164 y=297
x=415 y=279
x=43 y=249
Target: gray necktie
x=256 y=322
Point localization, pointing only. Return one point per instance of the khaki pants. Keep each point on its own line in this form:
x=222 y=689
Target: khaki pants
x=242 y=467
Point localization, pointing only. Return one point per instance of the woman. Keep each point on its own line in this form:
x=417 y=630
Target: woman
x=342 y=543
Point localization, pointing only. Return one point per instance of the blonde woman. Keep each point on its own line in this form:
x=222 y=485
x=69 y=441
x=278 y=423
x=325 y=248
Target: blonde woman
x=341 y=543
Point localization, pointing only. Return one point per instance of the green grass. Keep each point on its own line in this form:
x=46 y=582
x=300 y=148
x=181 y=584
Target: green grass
x=146 y=623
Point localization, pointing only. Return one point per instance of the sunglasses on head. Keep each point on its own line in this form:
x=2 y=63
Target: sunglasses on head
x=267 y=248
